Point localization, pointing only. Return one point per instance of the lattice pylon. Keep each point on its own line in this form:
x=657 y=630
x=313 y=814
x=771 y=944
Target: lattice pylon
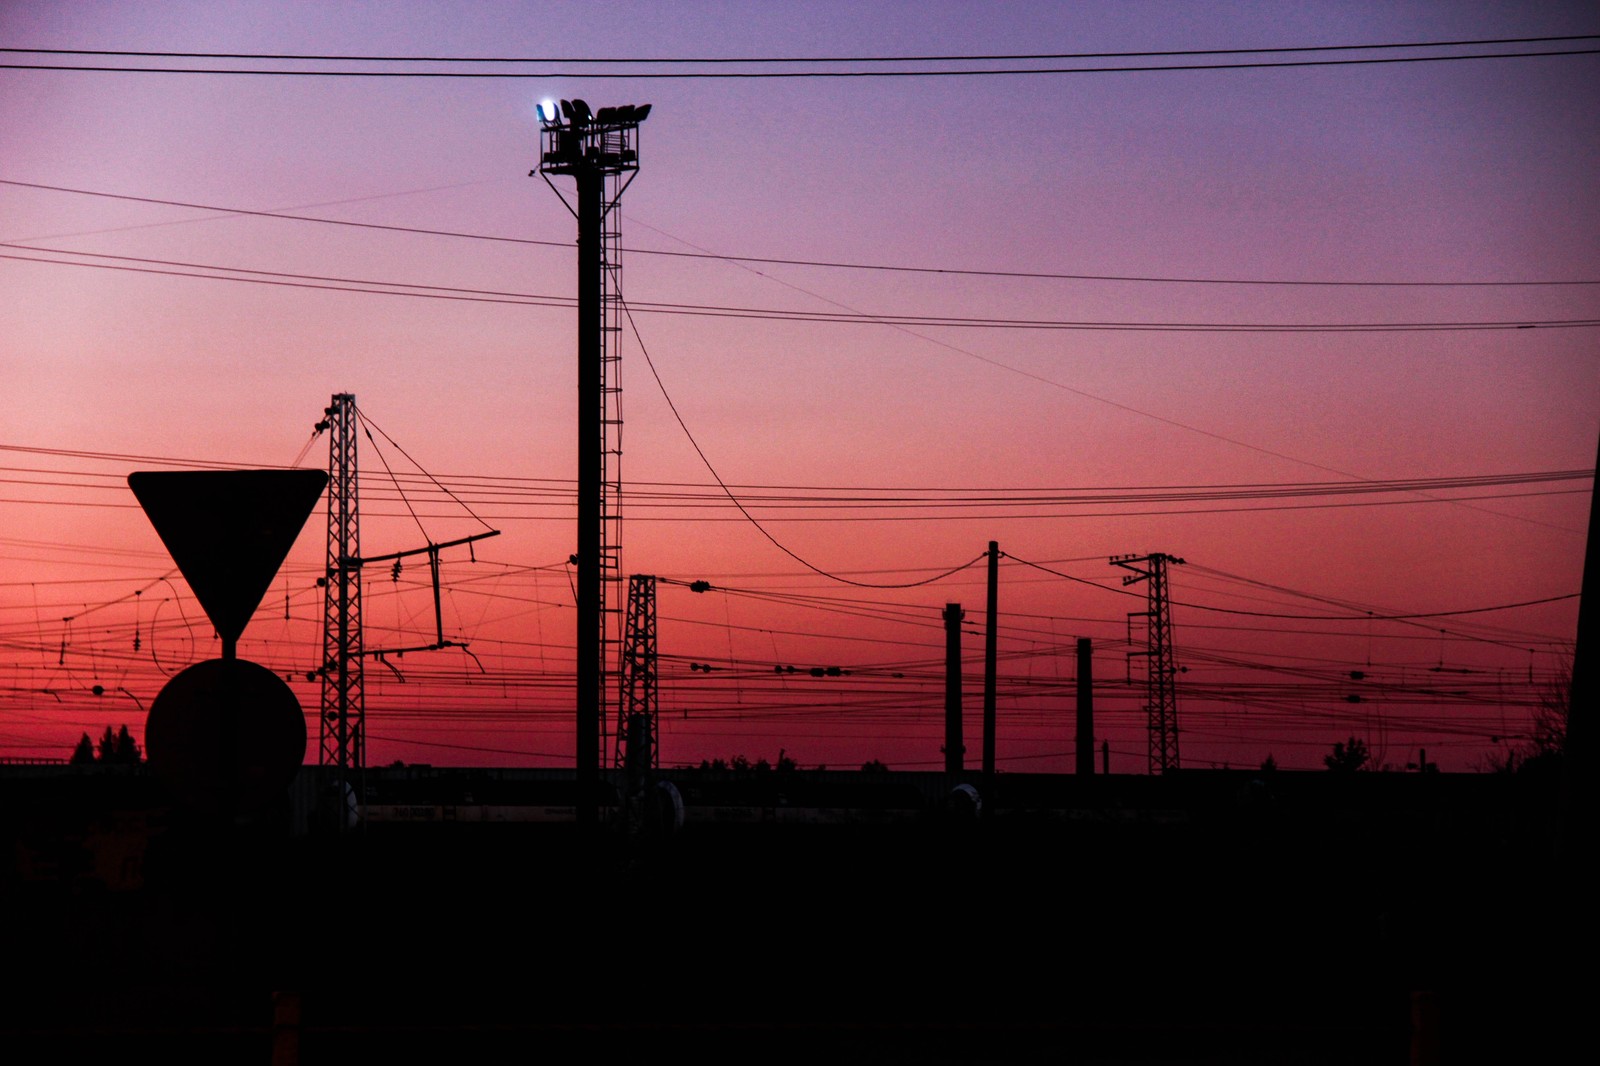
x=640 y=694
x=342 y=727
x=1161 y=690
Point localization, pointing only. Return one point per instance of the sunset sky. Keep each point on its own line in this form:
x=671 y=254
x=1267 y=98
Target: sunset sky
x=1181 y=274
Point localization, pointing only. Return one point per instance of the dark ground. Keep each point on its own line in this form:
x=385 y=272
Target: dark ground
x=1299 y=930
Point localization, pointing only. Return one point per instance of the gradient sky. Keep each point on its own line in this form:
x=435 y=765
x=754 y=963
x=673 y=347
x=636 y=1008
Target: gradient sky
x=1462 y=171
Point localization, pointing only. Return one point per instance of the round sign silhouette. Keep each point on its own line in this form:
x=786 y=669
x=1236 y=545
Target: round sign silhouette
x=226 y=735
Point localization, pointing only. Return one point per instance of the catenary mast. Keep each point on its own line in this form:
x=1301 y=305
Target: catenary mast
x=342 y=729
x=1161 y=701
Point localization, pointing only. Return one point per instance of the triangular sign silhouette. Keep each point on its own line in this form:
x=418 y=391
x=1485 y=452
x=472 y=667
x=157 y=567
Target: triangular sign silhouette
x=228 y=531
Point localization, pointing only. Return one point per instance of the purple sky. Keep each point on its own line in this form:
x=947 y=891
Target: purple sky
x=1436 y=171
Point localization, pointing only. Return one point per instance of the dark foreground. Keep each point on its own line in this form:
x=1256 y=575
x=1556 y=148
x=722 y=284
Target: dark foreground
x=1436 y=929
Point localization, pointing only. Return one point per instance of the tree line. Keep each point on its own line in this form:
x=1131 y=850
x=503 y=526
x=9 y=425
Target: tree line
x=115 y=748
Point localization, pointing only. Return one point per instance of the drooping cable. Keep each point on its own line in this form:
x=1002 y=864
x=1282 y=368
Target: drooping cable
x=772 y=261
x=436 y=483
x=644 y=351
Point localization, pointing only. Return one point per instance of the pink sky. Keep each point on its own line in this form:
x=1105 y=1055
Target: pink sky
x=1438 y=171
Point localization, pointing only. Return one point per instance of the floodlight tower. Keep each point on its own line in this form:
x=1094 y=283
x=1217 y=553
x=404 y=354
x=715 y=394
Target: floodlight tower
x=599 y=150
x=343 y=704
x=1161 y=683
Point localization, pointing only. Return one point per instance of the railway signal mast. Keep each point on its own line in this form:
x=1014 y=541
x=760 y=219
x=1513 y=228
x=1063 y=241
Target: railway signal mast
x=599 y=150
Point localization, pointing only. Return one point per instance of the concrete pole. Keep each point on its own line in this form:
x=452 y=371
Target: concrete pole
x=990 y=655
x=954 y=748
x=1085 y=753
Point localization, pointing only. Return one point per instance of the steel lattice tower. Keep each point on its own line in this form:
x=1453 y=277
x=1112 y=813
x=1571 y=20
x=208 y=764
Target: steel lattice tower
x=343 y=701
x=1161 y=682
x=599 y=151
x=640 y=695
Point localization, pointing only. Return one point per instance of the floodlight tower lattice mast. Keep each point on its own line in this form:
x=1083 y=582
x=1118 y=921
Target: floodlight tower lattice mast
x=342 y=729
x=1161 y=690
x=599 y=150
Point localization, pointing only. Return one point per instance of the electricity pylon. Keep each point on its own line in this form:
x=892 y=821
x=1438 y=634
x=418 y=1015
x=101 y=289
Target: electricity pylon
x=343 y=701
x=1161 y=700
x=640 y=695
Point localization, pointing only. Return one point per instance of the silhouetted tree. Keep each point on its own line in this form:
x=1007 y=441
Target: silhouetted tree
x=115 y=748
x=1347 y=756
x=1269 y=764
x=1547 y=741
x=84 y=752
x=873 y=766
x=1550 y=717
x=742 y=764
x=127 y=748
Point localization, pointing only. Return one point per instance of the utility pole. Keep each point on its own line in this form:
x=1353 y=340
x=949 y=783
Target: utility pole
x=1161 y=700
x=954 y=748
x=990 y=655
x=343 y=733
x=599 y=151
x=1085 y=746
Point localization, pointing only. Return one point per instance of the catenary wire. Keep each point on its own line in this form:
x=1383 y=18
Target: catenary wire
x=440 y=292
x=768 y=75
x=754 y=60
x=566 y=245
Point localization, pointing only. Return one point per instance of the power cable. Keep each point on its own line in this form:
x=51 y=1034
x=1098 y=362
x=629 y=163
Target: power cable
x=768 y=75
x=991 y=361
x=735 y=500
x=764 y=60
x=1159 y=418
x=401 y=492
x=1079 y=580
x=848 y=317
x=366 y=421
x=1365 y=617
x=854 y=496
x=703 y=254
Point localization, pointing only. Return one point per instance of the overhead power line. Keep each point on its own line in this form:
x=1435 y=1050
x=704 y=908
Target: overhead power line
x=767 y=60
x=868 y=494
x=818 y=263
x=712 y=470
x=1354 y=616
x=174 y=268
x=1378 y=617
x=1539 y=49
x=510 y=490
